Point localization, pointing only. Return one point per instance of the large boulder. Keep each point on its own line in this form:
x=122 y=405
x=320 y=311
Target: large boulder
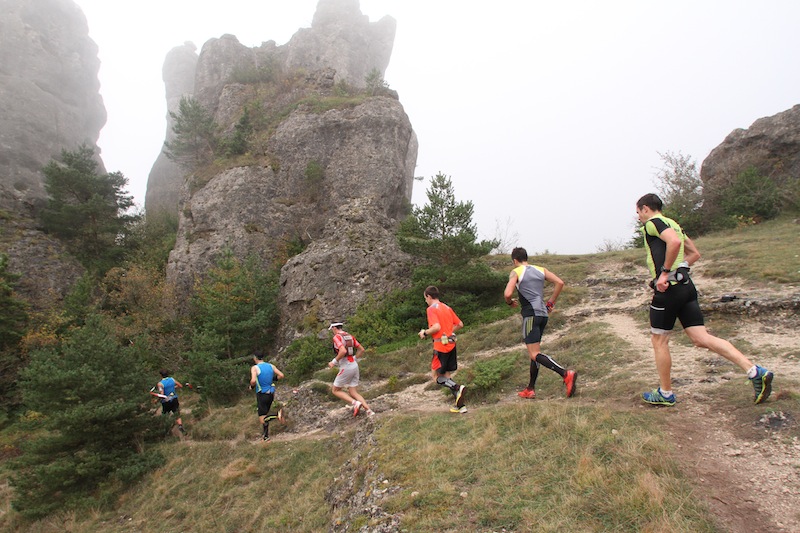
x=770 y=144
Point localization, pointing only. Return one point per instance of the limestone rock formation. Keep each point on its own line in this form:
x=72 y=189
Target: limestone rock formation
x=770 y=144
x=342 y=38
x=163 y=183
x=329 y=171
x=49 y=101
x=50 y=98
x=341 y=42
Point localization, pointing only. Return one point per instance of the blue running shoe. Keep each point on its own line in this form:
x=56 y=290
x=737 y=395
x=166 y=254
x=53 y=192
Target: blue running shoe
x=762 y=384
x=656 y=398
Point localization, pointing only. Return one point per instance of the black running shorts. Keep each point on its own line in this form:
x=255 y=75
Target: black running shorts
x=678 y=302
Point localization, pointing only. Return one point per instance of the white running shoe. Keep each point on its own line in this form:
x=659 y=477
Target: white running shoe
x=356 y=407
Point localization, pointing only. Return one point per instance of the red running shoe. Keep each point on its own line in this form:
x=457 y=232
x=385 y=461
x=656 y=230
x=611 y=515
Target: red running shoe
x=571 y=381
x=527 y=393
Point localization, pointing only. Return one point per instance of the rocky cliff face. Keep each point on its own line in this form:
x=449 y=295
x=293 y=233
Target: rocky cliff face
x=50 y=98
x=341 y=41
x=331 y=167
x=770 y=144
x=163 y=183
x=49 y=101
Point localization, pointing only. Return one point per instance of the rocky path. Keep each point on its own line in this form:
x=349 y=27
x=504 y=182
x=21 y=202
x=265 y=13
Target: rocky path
x=747 y=471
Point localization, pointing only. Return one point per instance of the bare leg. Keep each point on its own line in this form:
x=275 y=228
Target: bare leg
x=663 y=360
x=355 y=394
x=339 y=393
x=703 y=339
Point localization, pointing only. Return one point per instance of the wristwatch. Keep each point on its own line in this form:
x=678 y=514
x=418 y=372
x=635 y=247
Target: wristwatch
x=662 y=270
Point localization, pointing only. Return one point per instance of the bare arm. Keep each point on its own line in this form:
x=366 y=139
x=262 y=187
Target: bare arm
x=430 y=331
x=509 y=290
x=555 y=280
x=690 y=252
x=277 y=372
x=673 y=241
x=253 y=375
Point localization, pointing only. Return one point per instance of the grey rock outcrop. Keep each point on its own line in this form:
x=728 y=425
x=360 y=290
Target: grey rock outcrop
x=49 y=101
x=164 y=181
x=344 y=39
x=770 y=144
x=50 y=98
x=341 y=41
x=335 y=180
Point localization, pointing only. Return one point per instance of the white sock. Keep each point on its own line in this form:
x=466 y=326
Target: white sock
x=752 y=372
x=665 y=393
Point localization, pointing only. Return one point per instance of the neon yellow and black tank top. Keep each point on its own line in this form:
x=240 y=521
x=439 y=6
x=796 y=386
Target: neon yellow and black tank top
x=656 y=248
x=530 y=287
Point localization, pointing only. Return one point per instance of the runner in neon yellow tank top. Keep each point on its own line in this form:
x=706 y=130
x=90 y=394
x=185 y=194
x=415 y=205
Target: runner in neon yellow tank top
x=529 y=282
x=670 y=253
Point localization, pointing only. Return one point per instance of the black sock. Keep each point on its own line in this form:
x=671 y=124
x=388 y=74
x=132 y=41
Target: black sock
x=534 y=375
x=266 y=430
x=548 y=362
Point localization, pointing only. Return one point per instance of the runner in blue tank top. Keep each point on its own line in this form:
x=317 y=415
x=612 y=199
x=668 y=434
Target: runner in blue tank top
x=262 y=378
x=167 y=390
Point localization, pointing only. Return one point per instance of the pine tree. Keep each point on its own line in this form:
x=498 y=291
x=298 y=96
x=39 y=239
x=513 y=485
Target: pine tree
x=87 y=211
x=442 y=230
x=195 y=140
x=90 y=394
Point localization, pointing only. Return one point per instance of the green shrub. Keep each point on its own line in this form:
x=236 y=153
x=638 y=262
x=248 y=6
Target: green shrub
x=305 y=356
x=751 y=195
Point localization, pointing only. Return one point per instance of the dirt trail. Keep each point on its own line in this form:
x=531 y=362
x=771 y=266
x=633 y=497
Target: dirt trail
x=748 y=471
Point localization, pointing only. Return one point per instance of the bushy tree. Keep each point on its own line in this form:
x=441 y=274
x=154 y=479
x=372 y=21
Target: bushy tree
x=89 y=394
x=681 y=189
x=195 y=140
x=89 y=212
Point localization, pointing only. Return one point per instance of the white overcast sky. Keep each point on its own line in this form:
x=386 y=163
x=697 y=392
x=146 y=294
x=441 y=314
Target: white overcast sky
x=548 y=116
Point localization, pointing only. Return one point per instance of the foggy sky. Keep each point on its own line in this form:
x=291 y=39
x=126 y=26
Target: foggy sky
x=548 y=116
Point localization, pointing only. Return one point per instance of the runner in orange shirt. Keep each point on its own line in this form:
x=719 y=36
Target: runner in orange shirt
x=442 y=325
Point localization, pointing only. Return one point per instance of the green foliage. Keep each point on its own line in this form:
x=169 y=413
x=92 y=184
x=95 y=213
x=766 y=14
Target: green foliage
x=195 y=141
x=91 y=394
x=751 y=196
x=13 y=321
x=152 y=238
x=87 y=211
x=375 y=83
x=489 y=374
x=305 y=356
x=13 y=316
x=442 y=231
x=234 y=311
x=681 y=189
x=267 y=72
x=314 y=176
x=237 y=143
x=222 y=380
x=238 y=302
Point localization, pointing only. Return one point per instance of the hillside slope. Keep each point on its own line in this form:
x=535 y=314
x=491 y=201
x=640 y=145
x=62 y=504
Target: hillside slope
x=601 y=461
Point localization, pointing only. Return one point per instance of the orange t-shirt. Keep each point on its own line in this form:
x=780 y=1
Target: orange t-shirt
x=442 y=314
